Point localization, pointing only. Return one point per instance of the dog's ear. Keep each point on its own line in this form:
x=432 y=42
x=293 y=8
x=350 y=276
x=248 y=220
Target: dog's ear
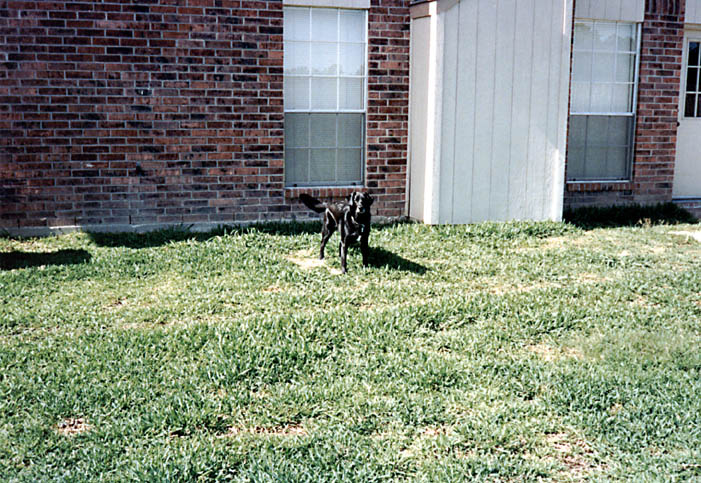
x=370 y=200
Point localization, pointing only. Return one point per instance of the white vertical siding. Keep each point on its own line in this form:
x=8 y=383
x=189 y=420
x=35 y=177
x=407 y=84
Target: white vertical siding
x=461 y=186
x=541 y=61
x=485 y=95
x=500 y=128
x=521 y=109
x=448 y=112
x=693 y=11
x=622 y=10
x=504 y=76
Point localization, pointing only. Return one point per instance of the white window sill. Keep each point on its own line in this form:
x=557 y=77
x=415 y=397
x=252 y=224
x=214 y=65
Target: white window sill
x=357 y=4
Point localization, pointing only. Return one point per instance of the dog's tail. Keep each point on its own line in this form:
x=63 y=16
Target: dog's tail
x=312 y=203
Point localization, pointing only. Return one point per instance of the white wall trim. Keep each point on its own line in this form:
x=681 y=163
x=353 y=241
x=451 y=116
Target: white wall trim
x=355 y=4
x=557 y=199
x=434 y=115
x=618 y=10
x=419 y=10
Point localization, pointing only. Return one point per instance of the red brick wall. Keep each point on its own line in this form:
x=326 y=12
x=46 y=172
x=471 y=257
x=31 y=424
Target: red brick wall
x=662 y=44
x=119 y=113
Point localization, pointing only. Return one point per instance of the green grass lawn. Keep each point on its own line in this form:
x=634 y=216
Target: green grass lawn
x=494 y=351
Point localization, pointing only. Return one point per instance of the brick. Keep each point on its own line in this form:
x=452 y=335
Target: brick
x=193 y=94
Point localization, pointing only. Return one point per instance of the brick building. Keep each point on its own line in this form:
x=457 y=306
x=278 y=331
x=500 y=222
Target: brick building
x=118 y=114
x=658 y=159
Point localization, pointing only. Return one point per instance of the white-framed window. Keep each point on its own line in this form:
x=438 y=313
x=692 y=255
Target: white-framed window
x=692 y=89
x=603 y=101
x=325 y=85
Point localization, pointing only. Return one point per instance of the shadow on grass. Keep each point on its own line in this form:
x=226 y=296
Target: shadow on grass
x=379 y=258
x=15 y=259
x=180 y=233
x=630 y=215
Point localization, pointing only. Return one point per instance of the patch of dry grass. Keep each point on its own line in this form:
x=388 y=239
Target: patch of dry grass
x=72 y=427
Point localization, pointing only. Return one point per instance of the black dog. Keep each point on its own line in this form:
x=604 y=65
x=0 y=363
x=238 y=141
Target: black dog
x=351 y=217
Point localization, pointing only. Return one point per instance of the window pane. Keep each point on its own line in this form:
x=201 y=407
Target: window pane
x=693 y=53
x=296 y=92
x=625 y=67
x=325 y=58
x=351 y=95
x=622 y=100
x=352 y=26
x=689 y=105
x=581 y=94
x=601 y=97
x=692 y=75
x=605 y=36
x=352 y=59
x=575 y=163
x=604 y=67
x=296 y=166
x=616 y=163
x=584 y=36
x=619 y=129
x=296 y=23
x=595 y=162
x=296 y=130
x=581 y=66
x=349 y=162
x=578 y=131
x=323 y=130
x=597 y=131
x=325 y=24
x=297 y=58
x=626 y=37
x=350 y=130
x=322 y=166
x=324 y=93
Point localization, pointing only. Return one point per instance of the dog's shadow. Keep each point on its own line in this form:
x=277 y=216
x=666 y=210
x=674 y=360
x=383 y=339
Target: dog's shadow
x=380 y=258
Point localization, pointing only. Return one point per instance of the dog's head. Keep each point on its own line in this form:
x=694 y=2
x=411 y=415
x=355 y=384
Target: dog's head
x=360 y=202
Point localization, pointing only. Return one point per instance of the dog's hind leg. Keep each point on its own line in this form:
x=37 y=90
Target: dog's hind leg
x=325 y=235
x=326 y=231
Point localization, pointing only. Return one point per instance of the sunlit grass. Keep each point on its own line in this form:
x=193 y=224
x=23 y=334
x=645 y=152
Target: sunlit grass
x=491 y=351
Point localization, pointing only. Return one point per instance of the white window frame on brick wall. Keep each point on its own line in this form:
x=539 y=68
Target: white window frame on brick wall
x=581 y=167
x=691 y=90
x=296 y=146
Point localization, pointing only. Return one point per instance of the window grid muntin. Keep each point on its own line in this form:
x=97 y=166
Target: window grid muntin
x=337 y=76
x=309 y=111
x=692 y=93
x=616 y=52
x=634 y=101
x=609 y=145
x=309 y=147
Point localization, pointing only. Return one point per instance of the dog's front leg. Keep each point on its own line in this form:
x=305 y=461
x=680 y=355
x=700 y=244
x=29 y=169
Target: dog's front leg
x=364 y=249
x=343 y=248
